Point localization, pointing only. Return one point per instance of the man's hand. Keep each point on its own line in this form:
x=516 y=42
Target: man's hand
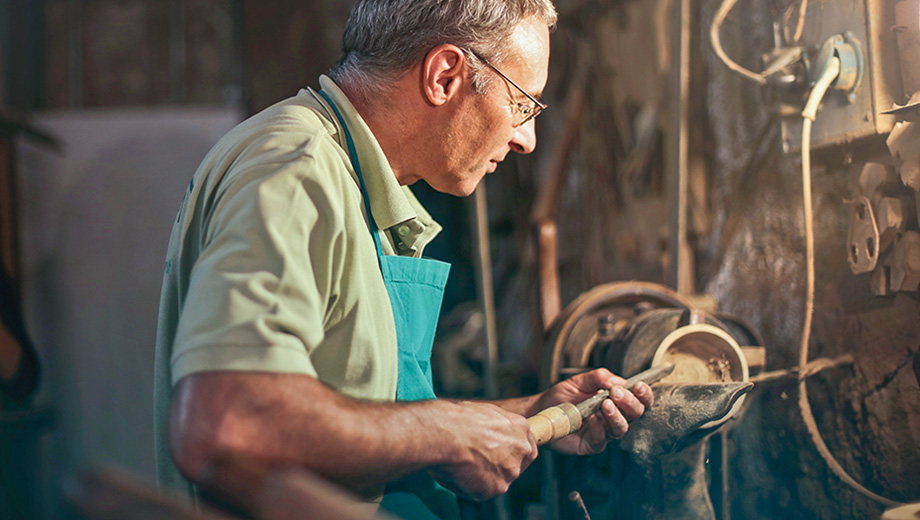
x=610 y=422
x=491 y=448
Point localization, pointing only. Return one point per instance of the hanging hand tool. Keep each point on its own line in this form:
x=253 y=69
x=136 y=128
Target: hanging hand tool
x=562 y=419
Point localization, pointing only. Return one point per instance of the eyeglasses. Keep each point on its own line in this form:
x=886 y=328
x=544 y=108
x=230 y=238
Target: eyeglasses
x=525 y=111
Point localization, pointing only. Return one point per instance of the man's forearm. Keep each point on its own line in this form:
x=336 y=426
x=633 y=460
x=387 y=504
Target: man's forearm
x=295 y=420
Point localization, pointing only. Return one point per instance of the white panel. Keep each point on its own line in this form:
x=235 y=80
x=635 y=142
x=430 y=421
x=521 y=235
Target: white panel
x=95 y=222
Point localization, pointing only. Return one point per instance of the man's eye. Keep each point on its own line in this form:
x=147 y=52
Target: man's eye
x=525 y=109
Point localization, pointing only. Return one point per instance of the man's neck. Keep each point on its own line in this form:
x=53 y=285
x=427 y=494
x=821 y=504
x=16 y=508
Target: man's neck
x=393 y=125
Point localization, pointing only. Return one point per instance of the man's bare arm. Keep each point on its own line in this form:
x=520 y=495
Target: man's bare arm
x=476 y=448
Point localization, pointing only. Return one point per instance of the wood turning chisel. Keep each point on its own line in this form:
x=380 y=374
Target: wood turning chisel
x=562 y=419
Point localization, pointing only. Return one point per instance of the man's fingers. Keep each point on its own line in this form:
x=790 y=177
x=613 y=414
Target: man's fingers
x=627 y=402
x=596 y=437
x=534 y=452
x=644 y=393
x=603 y=378
x=617 y=425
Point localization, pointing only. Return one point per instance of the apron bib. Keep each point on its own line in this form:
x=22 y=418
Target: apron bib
x=415 y=287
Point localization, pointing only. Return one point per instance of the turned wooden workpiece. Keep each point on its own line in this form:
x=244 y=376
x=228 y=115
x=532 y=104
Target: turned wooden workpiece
x=562 y=419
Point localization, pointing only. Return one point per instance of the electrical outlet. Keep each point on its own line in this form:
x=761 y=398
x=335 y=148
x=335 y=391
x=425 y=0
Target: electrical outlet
x=850 y=115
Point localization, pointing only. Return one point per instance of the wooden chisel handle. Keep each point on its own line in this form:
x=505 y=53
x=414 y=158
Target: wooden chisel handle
x=562 y=419
x=554 y=423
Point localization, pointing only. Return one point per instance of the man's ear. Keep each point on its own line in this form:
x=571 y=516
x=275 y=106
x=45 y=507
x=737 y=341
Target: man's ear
x=443 y=73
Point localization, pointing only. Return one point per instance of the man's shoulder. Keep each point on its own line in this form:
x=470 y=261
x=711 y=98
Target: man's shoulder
x=301 y=110
x=290 y=132
x=286 y=149
x=294 y=121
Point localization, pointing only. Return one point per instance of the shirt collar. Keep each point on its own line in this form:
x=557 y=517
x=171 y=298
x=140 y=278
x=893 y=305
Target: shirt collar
x=388 y=202
x=391 y=204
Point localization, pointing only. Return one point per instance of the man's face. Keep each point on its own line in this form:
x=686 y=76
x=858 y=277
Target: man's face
x=483 y=128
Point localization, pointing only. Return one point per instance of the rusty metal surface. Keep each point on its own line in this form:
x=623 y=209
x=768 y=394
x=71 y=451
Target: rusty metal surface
x=841 y=120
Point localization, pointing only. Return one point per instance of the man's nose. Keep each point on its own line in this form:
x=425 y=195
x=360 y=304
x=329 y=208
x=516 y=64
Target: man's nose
x=524 y=139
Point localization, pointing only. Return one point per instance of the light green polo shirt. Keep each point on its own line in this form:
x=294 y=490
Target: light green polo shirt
x=271 y=266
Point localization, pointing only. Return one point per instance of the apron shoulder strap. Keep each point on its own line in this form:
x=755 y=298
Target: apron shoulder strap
x=356 y=164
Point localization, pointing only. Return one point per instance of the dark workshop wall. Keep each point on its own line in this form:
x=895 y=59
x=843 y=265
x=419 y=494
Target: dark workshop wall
x=868 y=413
x=746 y=229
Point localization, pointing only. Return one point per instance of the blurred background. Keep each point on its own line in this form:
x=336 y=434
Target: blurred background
x=655 y=163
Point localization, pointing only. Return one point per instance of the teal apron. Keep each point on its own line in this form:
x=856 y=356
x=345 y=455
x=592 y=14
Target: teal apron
x=415 y=287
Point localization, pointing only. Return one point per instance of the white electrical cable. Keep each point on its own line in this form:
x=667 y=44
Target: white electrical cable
x=808 y=115
x=717 y=44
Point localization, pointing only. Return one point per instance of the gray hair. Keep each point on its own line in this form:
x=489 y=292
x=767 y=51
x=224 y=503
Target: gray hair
x=385 y=38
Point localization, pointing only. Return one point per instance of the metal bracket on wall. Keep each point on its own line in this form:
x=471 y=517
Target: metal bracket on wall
x=860 y=33
x=862 y=238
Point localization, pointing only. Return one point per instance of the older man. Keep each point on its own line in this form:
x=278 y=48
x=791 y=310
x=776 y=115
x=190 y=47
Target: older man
x=297 y=314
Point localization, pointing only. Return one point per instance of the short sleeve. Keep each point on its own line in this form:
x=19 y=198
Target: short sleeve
x=259 y=290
